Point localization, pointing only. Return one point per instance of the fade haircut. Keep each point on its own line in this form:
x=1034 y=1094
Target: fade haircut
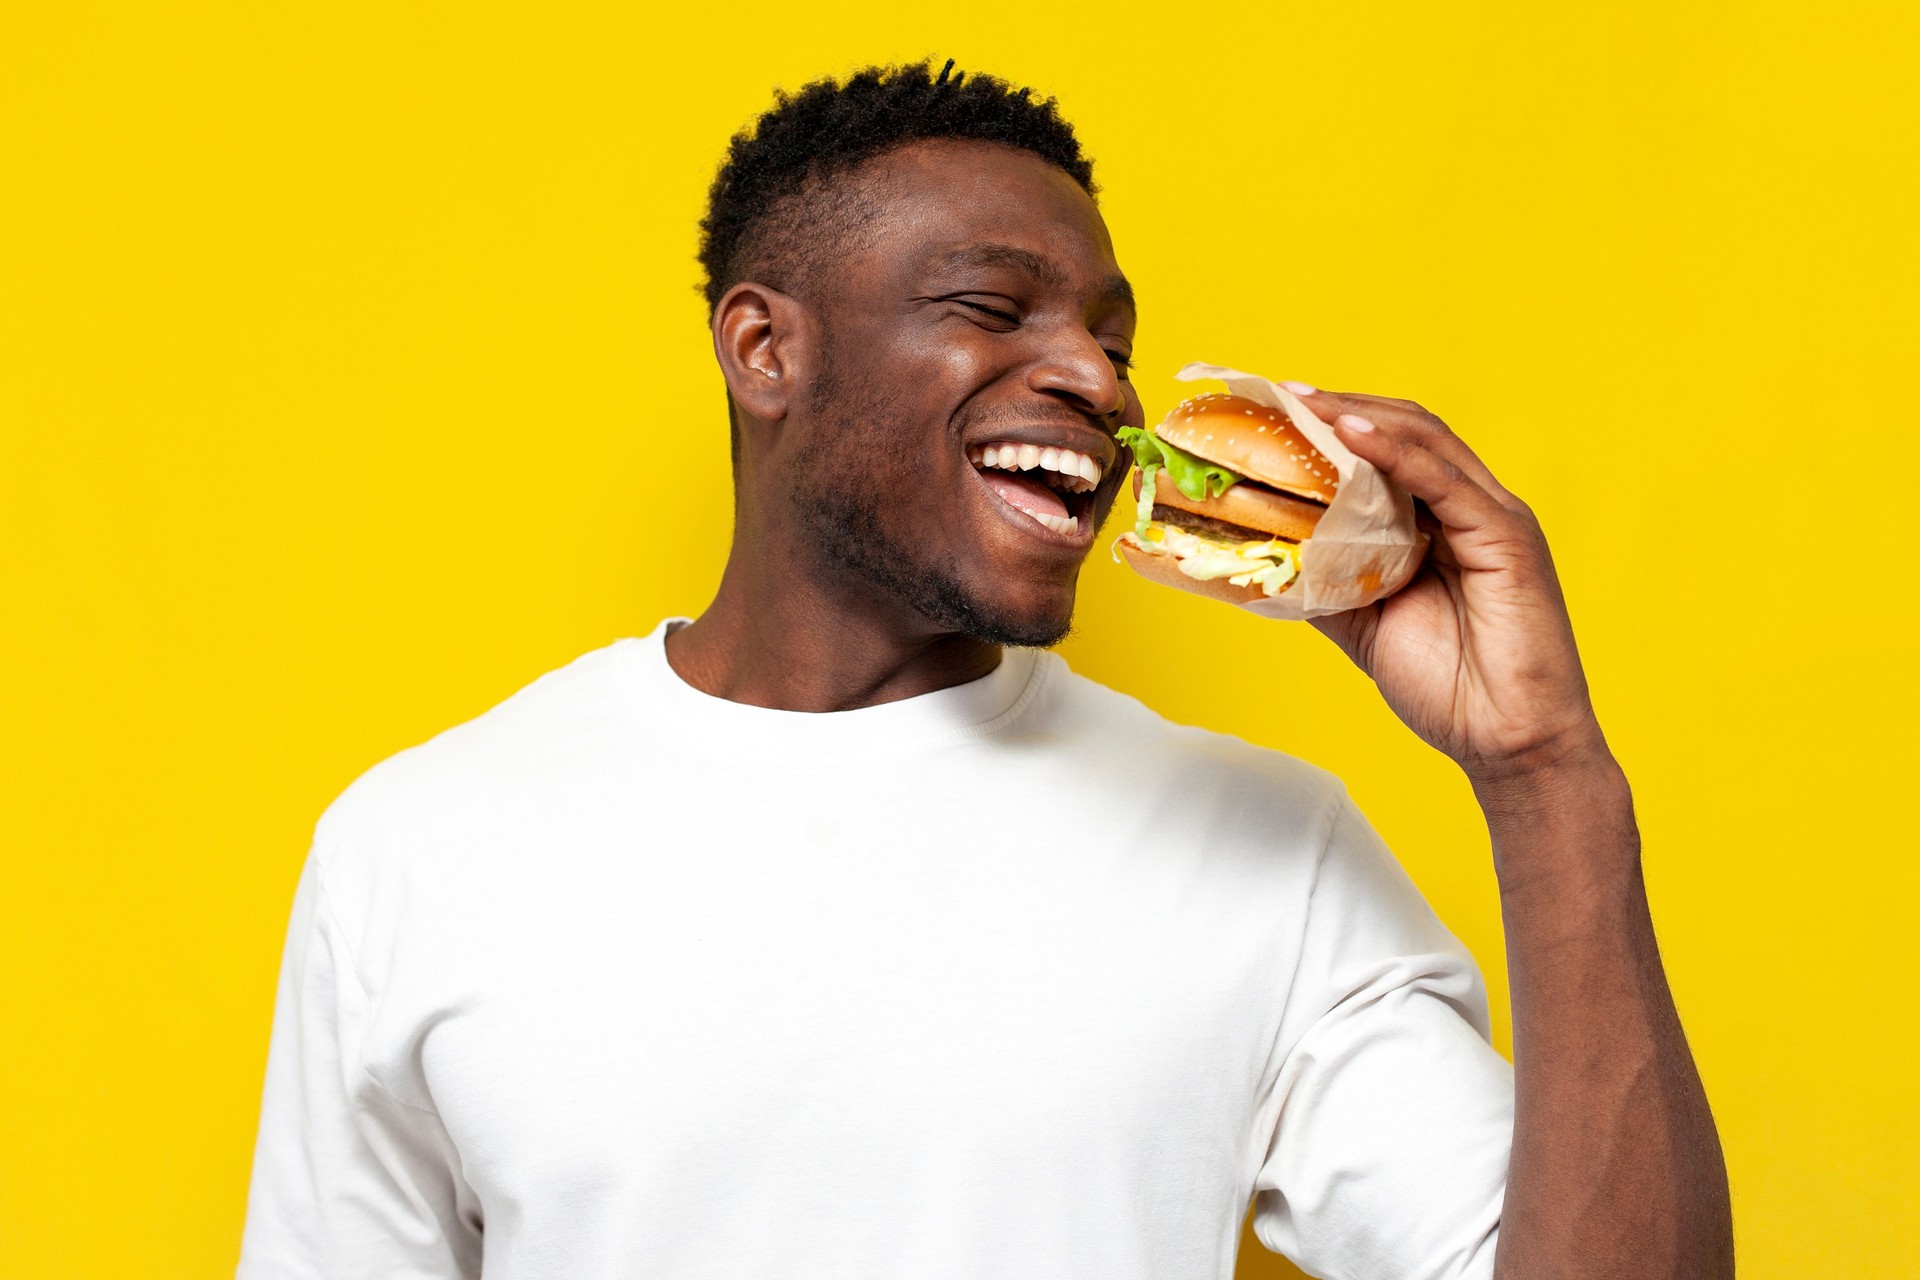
x=777 y=211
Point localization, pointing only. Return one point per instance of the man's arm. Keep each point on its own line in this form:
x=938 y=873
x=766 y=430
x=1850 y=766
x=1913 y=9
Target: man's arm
x=1616 y=1170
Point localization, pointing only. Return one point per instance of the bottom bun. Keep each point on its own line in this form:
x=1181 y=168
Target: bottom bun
x=1165 y=570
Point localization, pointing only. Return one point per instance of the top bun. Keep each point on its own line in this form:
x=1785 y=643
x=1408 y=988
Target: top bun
x=1259 y=443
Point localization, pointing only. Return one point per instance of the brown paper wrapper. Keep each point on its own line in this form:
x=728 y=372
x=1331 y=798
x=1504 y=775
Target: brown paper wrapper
x=1365 y=547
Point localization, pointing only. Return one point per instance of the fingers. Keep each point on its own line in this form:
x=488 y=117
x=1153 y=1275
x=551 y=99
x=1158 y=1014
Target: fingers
x=1419 y=423
x=1406 y=454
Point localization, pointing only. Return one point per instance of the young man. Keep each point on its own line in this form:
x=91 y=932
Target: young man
x=841 y=932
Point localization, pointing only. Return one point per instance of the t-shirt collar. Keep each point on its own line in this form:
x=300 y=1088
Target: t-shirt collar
x=697 y=718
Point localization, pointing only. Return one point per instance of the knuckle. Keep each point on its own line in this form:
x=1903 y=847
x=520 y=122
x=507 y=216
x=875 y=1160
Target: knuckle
x=1427 y=416
x=1524 y=545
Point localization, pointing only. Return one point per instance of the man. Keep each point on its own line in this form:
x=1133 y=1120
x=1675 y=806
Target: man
x=840 y=932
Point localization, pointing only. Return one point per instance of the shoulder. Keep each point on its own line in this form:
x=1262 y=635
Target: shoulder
x=1229 y=774
x=478 y=773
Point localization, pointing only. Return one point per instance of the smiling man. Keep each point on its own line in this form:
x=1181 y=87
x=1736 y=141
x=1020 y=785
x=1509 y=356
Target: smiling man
x=844 y=932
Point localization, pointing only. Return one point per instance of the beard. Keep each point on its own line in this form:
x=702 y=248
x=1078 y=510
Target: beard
x=847 y=525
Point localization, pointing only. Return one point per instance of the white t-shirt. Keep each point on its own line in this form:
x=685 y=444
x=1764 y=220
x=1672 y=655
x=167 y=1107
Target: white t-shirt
x=1012 y=980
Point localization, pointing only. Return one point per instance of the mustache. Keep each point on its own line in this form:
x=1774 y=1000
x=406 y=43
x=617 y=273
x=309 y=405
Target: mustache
x=1006 y=416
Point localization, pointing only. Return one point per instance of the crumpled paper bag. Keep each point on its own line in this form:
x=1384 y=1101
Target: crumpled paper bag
x=1365 y=547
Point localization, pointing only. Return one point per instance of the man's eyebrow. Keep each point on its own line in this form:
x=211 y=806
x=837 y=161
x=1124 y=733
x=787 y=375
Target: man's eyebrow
x=1041 y=268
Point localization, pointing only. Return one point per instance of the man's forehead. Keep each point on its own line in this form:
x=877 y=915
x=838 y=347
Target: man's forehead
x=951 y=203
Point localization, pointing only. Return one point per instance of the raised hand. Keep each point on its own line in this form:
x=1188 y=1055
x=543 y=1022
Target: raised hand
x=1476 y=654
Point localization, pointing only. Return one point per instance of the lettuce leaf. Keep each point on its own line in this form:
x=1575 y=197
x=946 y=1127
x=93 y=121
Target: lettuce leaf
x=1195 y=477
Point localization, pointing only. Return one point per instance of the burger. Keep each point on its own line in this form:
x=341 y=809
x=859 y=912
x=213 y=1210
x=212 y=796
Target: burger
x=1229 y=491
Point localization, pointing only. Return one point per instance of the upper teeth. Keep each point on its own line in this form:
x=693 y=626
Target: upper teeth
x=1078 y=472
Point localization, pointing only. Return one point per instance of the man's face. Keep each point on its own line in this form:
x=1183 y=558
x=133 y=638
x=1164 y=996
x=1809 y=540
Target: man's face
x=981 y=309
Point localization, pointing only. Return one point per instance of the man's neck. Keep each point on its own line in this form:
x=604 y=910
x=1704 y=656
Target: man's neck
x=781 y=645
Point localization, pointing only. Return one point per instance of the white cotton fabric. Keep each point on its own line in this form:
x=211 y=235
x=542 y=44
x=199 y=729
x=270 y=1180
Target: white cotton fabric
x=1011 y=980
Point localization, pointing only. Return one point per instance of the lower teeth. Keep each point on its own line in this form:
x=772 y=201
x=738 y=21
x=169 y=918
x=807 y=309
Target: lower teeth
x=1068 y=525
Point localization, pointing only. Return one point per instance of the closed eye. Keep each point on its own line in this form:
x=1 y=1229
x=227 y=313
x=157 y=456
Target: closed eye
x=1005 y=316
x=1121 y=360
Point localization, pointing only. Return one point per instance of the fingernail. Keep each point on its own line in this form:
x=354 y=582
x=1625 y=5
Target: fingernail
x=1353 y=422
x=1300 y=388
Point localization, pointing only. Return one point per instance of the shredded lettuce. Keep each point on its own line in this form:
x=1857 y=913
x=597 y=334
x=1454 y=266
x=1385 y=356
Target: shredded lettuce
x=1143 y=512
x=1270 y=565
x=1195 y=477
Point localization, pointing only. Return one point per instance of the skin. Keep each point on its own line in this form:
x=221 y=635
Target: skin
x=910 y=330
x=1616 y=1169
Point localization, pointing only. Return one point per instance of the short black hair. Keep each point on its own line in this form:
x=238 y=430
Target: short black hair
x=774 y=191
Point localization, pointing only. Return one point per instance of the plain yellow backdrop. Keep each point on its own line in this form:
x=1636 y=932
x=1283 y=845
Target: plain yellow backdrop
x=341 y=347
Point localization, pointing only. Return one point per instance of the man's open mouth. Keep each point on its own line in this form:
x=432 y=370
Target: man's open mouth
x=1053 y=486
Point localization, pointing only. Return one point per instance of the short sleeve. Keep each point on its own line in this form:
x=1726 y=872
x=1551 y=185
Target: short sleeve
x=348 y=1181
x=1388 y=1158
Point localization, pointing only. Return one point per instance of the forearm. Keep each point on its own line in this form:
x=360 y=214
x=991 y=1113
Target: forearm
x=1616 y=1168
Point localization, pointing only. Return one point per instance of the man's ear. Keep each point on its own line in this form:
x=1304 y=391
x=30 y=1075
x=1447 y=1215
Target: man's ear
x=764 y=340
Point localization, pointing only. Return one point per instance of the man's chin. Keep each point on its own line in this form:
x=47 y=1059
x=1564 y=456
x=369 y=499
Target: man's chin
x=1007 y=608
x=1022 y=632
x=1034 y=617
x=1030 y=623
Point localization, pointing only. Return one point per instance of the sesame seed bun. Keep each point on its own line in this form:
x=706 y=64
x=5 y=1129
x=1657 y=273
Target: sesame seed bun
x=1165 y=570
x=1246 y=436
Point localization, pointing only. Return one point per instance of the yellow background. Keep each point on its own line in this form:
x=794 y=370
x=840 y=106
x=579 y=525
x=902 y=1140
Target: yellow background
x=337 y=343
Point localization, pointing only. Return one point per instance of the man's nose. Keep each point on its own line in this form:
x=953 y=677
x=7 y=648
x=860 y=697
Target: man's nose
x=1078 y=370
